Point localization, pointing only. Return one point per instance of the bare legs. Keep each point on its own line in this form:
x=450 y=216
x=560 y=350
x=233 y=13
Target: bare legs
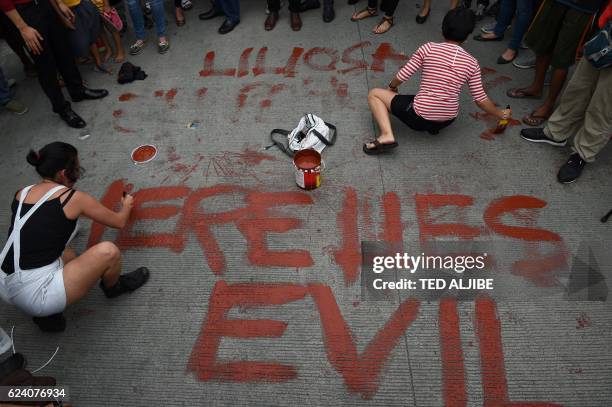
x=102 y=261
x=379 y=101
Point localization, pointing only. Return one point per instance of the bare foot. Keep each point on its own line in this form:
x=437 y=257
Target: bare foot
x=120 y=57
x=108 y=53
x=509 y=54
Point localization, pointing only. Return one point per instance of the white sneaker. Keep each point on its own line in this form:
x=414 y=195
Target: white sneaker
x=488 y=28
x=526 y=62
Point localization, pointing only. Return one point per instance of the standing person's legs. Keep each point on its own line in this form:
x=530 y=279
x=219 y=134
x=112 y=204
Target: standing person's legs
x=5 y=92
x=231 y=9
x=592 y=137
x=159 y=16
x=504 y=18
x=14 y=40
x=388 y=7
x=44 y=62
x=137 y=18
x=274 y=6
x=524 y=14
x=569 y=116
x=294 y=6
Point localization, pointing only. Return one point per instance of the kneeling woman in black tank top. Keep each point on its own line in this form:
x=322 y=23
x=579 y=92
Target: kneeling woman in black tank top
x=40 y=274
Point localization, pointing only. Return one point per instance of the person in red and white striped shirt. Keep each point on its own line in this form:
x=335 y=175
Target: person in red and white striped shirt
x=445 y=67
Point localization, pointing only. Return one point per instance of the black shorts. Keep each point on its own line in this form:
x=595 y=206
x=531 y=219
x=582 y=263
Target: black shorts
x=401 y=107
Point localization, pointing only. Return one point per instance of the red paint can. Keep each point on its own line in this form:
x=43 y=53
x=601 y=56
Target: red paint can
x=307 y=165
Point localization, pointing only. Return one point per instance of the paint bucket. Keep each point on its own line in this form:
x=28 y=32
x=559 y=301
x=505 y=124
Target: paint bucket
x=144 y=153
x=307 y=165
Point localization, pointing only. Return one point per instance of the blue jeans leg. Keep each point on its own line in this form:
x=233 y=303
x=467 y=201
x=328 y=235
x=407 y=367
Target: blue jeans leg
x=159 y=16
x=5 y=94
x=137 y=18
x=231 y=9
x=524 y=14
x=504 y=18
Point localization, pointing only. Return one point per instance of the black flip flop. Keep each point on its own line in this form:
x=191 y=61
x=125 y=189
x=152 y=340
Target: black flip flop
x=379 y=147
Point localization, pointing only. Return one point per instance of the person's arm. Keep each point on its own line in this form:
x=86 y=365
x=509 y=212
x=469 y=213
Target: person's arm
x=94 y=210
x=31 y=37
x=481 y=99
x=65 y=10
x=414 y=64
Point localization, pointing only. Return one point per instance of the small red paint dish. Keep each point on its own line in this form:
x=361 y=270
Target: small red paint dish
x=144 y=153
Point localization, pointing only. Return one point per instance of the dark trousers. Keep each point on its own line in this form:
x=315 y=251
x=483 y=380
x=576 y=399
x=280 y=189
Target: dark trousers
x=294 y=5
x=13 y=38
x=56 y=56
x=231 y=9
x=386 y=6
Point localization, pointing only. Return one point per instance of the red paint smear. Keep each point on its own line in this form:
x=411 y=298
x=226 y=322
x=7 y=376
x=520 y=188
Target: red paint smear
x=494 y=382
x=383 y=53
x=290 y=67
x=200 y=93
x=340 y=88
x=487 y=71
x=252 y=157
x=203 y=360
x=171 y=94
x=159 y=93
x=497 y=81
x=172 y=155
x=276 y=88
x=127 y=96
x=583 y=321
x=541 y=270
x=173 y=240
x=143 y=153
x=361 y=373
x=242 y=96
x=266 y=103
x=111 y=199
x=260 y=62
x=357 y=64
x=122 y=129
x=196 y=218
x=510 y=205
x=348 y=256
x=451 y=353
x=329 y=53
x=307 y=81
x=428 y=230
x=260 y=222
x=118 y=113
x=209 y=67
x=243 y=63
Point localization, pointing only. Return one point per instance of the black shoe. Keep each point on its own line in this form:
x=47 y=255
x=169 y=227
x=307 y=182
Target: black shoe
x=227 y=26
x=72 y=119
x=421 y=19
x=90 y=94
x=536 y=135
x=212 y=13
x=328 y=13
x=571 y=170
x=14 y=362
x=127 y=283
x=52 y=323
x=309 y=5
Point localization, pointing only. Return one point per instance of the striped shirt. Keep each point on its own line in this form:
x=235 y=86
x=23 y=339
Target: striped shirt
x=445 y=67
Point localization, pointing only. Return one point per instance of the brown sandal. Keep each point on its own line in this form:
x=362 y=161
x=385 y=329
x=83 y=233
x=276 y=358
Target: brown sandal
x=365 y=13
x=385 y=19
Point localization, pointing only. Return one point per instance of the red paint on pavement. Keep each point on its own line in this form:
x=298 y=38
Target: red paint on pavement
x=453 y=368
x=429 y=230
x=127 y=97
x=348 y=256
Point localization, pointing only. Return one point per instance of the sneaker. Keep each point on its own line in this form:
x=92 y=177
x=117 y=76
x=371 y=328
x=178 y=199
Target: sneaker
x=571 y=170
x=51 y=323
x=480 y=10
x=186 y=4
x=524 y=45
x=16 y=107
x=537 y=135
x=526 y=62
x=127 y=283
x=163 y=47
x=147 y=7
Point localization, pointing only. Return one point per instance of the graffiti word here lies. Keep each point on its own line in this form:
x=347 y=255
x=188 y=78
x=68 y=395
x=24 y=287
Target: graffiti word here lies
x=256 y=216
x=349 y=61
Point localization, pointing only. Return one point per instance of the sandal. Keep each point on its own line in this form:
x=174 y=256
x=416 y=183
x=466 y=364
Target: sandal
x=385 y=20
x=180 y=23
x=365 y=13
x=518 y=93
x=481 y=37
x=378 y=147
x=534 y=120
x=163 y=47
